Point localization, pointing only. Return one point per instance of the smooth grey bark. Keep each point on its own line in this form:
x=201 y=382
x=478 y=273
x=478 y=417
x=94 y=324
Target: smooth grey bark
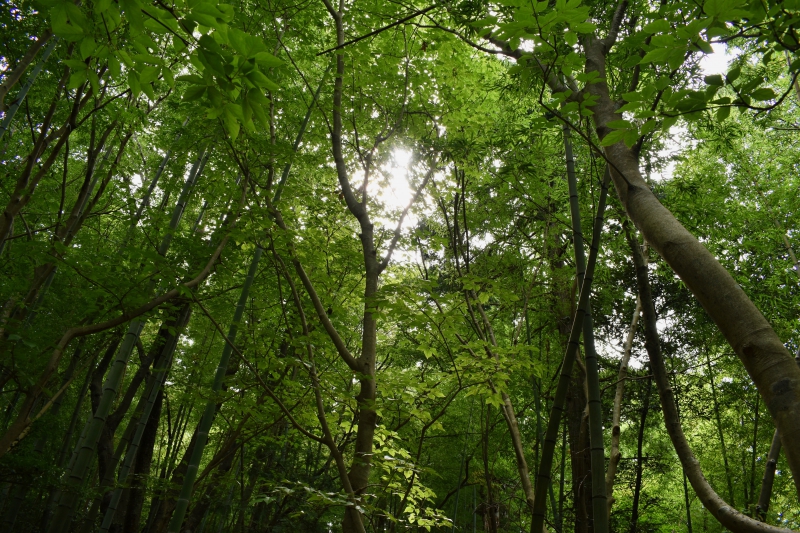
x=133 y=512
x=728 y=516
x=761 y=351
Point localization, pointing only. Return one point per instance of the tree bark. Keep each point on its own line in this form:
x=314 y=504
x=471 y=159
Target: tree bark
x=766 y=359
x=764 y=356
x=543 y=479
x=725 y=514
x=622 y=376
x=23 y=64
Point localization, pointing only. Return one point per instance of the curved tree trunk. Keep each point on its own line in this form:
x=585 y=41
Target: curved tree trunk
x=766 y=359
x=725 y=514
x=764 y=356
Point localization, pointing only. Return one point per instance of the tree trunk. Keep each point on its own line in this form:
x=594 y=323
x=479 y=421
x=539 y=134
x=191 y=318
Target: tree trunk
x=13 y=78
x=595 y=408
x=63 y=515
x=164 y=348
x=622 y=376
x=23 y=64
x=764 y=356
x=211 y=407
x=543 y=479
x=723 y=448
x=769 y=477
x=637 y=489
x=133 y=513
x=725 y=514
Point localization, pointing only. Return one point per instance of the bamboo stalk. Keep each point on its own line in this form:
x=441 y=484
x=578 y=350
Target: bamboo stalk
x=597 y=452
x=63 y=515
x=157 y=381
x=211 y=406
x=23 y=92
x=548 y=448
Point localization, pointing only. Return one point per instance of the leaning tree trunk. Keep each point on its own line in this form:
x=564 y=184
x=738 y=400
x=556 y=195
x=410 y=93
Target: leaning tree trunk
x=764 y=356
x=76 y=475
x=724 y=513
x=211 y=407
x=766 y=359
x=150 y=397
x=543 y=478
x=17 y=73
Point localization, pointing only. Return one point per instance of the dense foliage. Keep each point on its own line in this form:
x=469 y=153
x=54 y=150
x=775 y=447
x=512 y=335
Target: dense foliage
x=308 y=266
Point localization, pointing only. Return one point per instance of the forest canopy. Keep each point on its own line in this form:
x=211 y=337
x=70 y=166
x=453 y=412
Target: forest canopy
x=382 y=266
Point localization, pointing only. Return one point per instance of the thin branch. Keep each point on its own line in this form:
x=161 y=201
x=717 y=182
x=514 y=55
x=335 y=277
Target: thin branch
x=397 y=232
x=261 y=382
x=375 y=32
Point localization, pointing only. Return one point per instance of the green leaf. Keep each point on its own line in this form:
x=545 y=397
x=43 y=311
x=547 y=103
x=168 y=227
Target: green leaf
x=631 y=137
x=133 y=13
x=265 y=59
x=148 y=74
x=60 y=24
x=194 y=93
x=75 y=64
x=88 y=46
x=733 y=74
x=657 y=26
x=722 y=113
x=133 y=82
x=94 y=81
x=714 y=80
x=260 y=80
x=617 y=124
x=613 y=138
x=763 y=94
x=191 y=78
x=704 y=46
x=230 y=122
x=238 y=40
x=76 y=79
x=659 y=55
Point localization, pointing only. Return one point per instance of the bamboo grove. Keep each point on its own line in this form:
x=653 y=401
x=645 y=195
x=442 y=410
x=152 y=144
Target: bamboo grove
x=368 y=266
